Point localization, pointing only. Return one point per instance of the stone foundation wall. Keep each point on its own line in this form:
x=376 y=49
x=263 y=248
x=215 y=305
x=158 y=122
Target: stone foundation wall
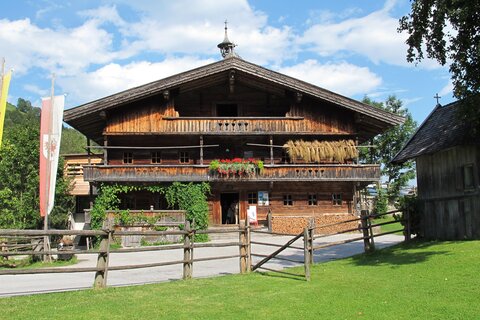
x=296 y=224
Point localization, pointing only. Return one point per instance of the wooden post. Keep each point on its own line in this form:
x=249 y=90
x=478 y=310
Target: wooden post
x=187 y=255
x=306 y=253
x=365 y=230
x=249 y=244
x=243 y=246
x=105 y=150
x=311 y=232
x=271 y=150
x=372 y=239
x=407 y=228
x=201 y=150
x=102 y=262
x=269 y=220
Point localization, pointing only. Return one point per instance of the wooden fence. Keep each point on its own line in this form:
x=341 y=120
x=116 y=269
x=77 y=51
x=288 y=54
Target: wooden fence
x=244 y=244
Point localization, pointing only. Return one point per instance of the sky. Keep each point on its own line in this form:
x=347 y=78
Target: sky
x=98 y=48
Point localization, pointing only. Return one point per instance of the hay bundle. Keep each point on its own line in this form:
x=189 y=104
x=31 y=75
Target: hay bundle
x=324 y=151
x=290 y=149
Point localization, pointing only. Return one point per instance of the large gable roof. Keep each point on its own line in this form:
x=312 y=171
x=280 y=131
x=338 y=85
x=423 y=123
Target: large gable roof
x=87 y=115
x=441 y=130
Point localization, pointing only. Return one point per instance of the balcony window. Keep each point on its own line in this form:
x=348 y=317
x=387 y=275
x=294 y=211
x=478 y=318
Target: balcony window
x=184 y=157
x=312 y=199
x=287 y=200
x=127 y=157
x=156 y=157
x=252 y=198
x=337 y=199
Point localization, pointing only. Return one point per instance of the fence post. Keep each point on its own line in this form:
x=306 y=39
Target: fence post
x=102 y=261
x=306 y=253
x=407 y=228
x=248 y=244
x=187 y=252
x=242 y=246
x=269 y=220
x=367 y=245
x=310 y=238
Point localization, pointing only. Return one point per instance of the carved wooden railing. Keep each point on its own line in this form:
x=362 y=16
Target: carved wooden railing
x=159 y=173
x=233 y=125
x=230 y=125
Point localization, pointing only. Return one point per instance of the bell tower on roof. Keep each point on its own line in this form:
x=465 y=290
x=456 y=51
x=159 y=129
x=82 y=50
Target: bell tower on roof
x=226 y=46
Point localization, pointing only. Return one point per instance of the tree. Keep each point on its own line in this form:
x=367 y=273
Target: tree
x=388 y=144
x=19 y=161
x=448 y=30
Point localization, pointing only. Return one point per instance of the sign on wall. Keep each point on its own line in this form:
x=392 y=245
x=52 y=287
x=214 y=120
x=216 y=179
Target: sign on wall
x=263 y=198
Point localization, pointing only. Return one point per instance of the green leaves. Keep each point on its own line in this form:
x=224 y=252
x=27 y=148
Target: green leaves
x=448 y=31
x=388 y=144
x=19 y=161
x=191 y=197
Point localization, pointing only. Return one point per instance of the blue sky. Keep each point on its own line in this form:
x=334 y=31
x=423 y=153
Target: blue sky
x=97 y=48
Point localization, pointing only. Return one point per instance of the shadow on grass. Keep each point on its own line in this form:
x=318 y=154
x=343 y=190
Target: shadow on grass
x=401 y=254
x=284 y=275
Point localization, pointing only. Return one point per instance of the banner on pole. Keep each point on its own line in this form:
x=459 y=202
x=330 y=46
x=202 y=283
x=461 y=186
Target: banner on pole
x=3 y=101
x=50 y=135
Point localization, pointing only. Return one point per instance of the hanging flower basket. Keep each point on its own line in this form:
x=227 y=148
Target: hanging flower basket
x=236 y=167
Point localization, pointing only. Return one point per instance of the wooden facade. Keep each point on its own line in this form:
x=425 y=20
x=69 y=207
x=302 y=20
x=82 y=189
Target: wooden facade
x=448 y=177
x=172 y=129
x=451 y=202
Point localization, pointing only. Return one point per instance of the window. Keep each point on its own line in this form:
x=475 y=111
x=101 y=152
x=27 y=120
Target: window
x=156 y=157
x=312 y=199
x=184 y=157
x=252 y=198
x=468 y=177
x=337 y=199
x=287 y=200
x=127 y=157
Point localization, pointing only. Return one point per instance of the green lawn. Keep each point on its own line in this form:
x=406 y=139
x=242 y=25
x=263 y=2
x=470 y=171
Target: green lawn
x=388 y=227
x=27 y=263
x=432 y=280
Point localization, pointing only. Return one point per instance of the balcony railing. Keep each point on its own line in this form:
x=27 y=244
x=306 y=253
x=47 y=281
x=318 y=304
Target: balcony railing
x=169 y=173
x=227 y=125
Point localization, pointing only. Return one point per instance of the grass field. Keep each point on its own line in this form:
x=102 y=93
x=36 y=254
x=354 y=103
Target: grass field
x=431 y=280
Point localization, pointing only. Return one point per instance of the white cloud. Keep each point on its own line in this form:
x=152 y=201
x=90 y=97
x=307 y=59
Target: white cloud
x=36 y=89
x=343 y=78
x=63 y=51
x=446 y=90
x=113 y=78
x=374 y=36
x=196 y=27
x=104 y=14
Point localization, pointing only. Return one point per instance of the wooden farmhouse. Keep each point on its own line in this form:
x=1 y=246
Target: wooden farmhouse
x=448 y=176
x=278 y=144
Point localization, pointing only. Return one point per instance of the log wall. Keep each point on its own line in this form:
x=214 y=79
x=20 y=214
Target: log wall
x=450 y=210
x=195 y=112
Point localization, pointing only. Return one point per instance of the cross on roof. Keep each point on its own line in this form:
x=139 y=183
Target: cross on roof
x=438 y=98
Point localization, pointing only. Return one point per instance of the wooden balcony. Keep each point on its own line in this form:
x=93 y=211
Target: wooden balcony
x=169 y=173
x=227 y=126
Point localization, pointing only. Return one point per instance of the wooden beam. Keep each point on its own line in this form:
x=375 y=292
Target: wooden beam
x=154 y=148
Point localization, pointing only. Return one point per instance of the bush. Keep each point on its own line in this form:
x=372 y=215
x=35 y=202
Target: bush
x=412 y=205
x=381 y=202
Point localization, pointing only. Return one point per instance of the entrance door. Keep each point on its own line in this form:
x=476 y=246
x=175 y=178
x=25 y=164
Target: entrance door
x=230 y=207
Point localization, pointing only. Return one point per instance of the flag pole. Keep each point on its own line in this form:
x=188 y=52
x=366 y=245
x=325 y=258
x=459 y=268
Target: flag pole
x=46 y=240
